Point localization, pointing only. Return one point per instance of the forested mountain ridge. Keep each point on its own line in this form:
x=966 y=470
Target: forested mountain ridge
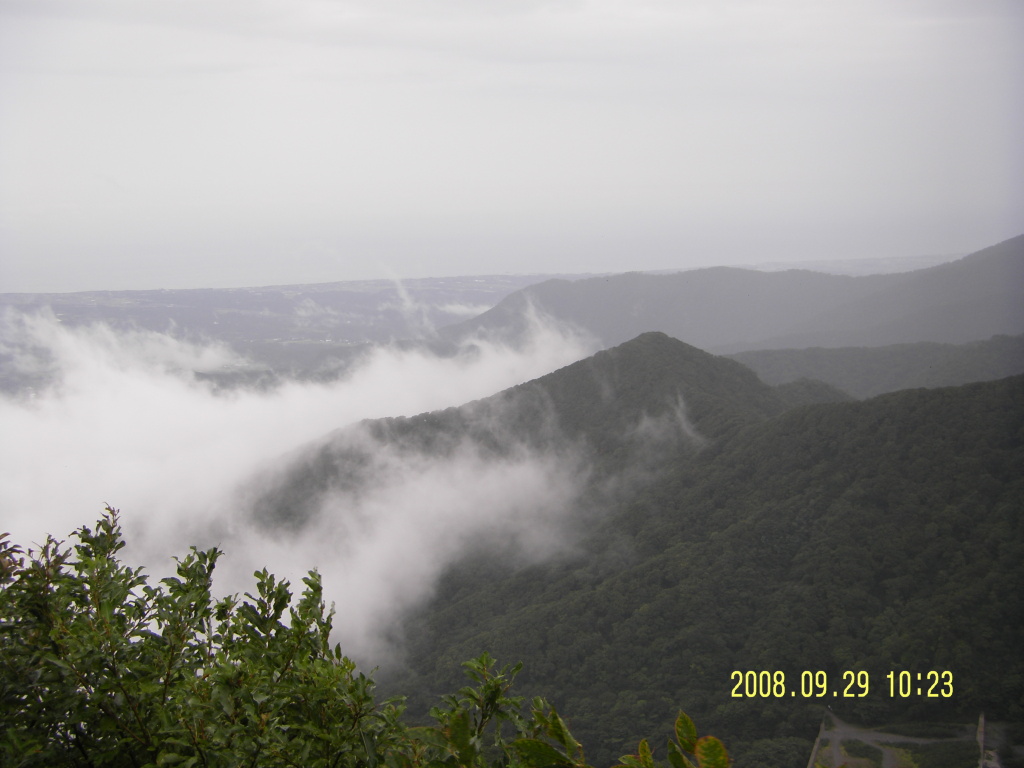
x=612 y=412
x=869 y=371
x=874 y=536
x=719 y=525
x=724 y=309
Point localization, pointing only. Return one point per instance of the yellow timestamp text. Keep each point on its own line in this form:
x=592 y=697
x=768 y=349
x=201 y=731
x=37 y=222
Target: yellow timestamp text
x=818 y=684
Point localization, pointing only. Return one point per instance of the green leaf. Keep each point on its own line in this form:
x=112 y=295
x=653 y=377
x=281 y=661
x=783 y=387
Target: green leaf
x=645 y=755
x=460 y=734
x=686 y=732
x=711 y=753
x=539 y=754
x=677 y=758
x=560 y=733
x=169 y=758
x=370 y=745
x=428 y=736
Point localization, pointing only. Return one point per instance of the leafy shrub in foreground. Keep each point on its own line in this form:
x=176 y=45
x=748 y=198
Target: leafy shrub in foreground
x=100 y=668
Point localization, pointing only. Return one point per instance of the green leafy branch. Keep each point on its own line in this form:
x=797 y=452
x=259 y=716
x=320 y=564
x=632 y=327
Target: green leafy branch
x=98 y=667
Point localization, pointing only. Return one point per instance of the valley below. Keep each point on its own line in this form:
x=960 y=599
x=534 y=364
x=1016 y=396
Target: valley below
x=638 y=486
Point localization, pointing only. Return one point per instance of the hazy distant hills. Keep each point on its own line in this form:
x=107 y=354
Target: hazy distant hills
x=725 y=309
x=317 y=331
x=342 y=313
x=290 y=331
x=869 y=371
x=301 y=328
x=308 y=332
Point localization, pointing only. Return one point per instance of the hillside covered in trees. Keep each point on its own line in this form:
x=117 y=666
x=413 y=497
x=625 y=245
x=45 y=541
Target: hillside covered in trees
x=724 y=525
x=877 y=536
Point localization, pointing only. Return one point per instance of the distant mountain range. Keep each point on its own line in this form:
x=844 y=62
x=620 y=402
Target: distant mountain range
x=869 y=371
x=316 y=331
x=293 y=331
x=724 y=309
x=342 y=313
x=310 y=332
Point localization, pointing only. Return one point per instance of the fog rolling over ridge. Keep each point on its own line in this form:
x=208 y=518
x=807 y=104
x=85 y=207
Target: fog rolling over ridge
x=384 y=521
x=385 y=471
x=518 y=476
x=121 y=418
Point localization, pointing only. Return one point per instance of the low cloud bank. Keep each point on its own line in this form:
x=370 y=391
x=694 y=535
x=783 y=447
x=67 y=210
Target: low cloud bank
x=381 y=545
x=120 y=417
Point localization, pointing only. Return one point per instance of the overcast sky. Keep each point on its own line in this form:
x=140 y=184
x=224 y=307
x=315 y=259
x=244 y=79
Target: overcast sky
x=210 y=143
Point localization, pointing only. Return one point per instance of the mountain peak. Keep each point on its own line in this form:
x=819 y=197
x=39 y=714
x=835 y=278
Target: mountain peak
x=656 y=371
x=639 y=403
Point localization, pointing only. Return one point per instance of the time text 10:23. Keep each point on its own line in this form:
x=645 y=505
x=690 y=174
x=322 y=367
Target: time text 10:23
x=751 y=684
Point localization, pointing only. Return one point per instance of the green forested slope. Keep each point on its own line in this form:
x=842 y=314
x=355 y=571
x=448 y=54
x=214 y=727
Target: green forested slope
x=874 y=536
x=602 y=396
x=612 y=412
x=742 y=532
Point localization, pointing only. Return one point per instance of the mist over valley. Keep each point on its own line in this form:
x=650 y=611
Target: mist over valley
x=558 y=472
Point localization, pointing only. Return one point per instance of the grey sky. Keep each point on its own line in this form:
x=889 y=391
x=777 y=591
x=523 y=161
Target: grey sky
x=189 y=143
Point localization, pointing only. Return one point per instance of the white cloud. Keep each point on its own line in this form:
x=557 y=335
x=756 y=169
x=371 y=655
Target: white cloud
x=463 y=310
x=129 y=425
x=381 y=549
